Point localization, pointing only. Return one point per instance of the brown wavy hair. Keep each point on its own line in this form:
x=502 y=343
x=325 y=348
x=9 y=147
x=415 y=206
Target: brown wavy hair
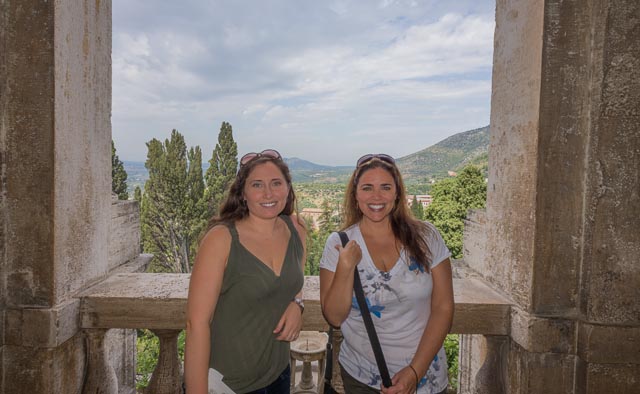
x=233 y=207
x=410 y=231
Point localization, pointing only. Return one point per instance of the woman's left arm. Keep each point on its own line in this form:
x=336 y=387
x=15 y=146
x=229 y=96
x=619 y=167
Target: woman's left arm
x=440 y=320
x=437 y=328
x=290 y=324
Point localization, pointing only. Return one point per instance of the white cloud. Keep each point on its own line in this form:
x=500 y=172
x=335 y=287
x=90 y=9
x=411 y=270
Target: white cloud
x=390 y=76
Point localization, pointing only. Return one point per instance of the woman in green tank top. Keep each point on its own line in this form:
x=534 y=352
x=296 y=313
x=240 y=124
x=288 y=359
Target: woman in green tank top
x=244 y=304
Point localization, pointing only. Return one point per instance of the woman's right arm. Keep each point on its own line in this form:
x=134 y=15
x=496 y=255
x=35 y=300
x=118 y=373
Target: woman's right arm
x=336 y=288
x=204 y=289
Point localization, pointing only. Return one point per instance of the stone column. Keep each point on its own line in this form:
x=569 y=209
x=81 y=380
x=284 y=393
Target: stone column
x=563 y=201
x=55 y=132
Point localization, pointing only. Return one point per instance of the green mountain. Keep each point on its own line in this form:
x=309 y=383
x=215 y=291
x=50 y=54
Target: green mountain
x=303 y=171
x=450 y=154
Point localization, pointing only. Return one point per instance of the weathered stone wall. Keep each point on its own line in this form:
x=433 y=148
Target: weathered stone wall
x=56 y=128
x=4 y=102
x=474 y=242
x=82 y=130
x=612 y=242
x=609 y=339
x=124 y=232
x=563 y=201
x=513 y=147
x=56 y=207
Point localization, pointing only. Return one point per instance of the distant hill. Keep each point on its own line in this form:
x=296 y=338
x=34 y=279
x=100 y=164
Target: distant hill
x=302 y=171
x=450 y=154
x=305 y=171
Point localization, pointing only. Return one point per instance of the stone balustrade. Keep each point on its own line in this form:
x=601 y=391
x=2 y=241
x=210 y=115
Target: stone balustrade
x=158 y=302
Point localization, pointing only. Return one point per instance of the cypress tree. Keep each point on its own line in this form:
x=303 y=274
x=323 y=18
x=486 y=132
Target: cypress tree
x=137 y=194
x=172 y=203
x=416 y=208
x=327 y=220
x=118 y=175
x=222 y=168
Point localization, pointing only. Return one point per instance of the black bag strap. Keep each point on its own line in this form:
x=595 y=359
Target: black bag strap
x=368 y=322
x=328 y=372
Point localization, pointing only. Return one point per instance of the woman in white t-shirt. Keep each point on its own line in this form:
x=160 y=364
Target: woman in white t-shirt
x=406 y=276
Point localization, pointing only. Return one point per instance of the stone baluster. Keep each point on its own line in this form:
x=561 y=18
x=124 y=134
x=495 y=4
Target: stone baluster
x=100 y=378
x=489 y=379
x=167 y=376
x=482 y=361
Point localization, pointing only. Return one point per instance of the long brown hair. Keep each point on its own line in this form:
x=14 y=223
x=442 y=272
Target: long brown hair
x=410 y=231
x=233 y=207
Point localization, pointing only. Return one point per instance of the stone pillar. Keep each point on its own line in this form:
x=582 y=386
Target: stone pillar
x=55 y=132
x=563 y=200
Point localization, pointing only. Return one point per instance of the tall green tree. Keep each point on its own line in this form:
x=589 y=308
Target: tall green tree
x=137 y=194
x=452 y=198
x=223 y=166
x=118 y=175
x=315 y=246
x=196 y=204
x=327 y=220
x=327 y=223
x=416 y=208
x=172 y=204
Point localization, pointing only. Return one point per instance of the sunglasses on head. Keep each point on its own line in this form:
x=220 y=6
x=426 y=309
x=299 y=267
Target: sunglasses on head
x=270 y=153
x=380 y=156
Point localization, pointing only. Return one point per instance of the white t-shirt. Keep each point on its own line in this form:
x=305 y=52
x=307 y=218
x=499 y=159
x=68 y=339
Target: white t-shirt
x=400 y=305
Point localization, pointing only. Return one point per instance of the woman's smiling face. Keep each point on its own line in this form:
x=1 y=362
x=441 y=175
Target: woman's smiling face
x=266 y=191
x=376 y=194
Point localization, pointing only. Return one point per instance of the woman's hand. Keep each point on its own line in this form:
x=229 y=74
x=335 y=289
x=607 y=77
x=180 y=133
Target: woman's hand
x=403 y=382
x=336 y=288
x=290 y=323
x=350 y=255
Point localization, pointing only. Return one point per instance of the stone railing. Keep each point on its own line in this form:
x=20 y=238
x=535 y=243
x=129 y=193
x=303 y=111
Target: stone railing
x=158 y=302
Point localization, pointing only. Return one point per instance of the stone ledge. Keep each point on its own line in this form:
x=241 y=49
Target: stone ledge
x=542 y=335
x=139 y=300
x=42 y=327
x=158 y=301
x=51 y=327
x=479 y=309
x=591 y=343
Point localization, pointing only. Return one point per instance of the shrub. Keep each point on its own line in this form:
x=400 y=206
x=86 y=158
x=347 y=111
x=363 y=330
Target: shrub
x=148 y=348
x=451 y=347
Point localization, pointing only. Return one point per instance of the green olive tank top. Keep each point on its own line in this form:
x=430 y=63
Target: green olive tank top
x=252 y=300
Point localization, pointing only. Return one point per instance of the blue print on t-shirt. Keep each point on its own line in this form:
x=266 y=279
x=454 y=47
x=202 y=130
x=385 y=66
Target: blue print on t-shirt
x=374 y=309
x=415 y=266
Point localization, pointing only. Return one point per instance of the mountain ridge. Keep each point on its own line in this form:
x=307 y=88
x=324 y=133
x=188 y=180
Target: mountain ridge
x=433 y=162
x=450 y=154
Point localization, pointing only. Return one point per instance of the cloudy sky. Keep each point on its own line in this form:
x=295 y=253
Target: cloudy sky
x=325 y=81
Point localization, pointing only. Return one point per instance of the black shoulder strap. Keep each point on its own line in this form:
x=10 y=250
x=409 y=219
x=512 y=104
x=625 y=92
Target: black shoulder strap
x=368 y=322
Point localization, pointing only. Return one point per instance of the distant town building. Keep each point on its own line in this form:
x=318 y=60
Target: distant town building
x=452 y=173
x=312 y=215
x=424 y=199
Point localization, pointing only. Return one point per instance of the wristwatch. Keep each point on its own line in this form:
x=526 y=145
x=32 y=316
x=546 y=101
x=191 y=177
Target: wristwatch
x=300 y=303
